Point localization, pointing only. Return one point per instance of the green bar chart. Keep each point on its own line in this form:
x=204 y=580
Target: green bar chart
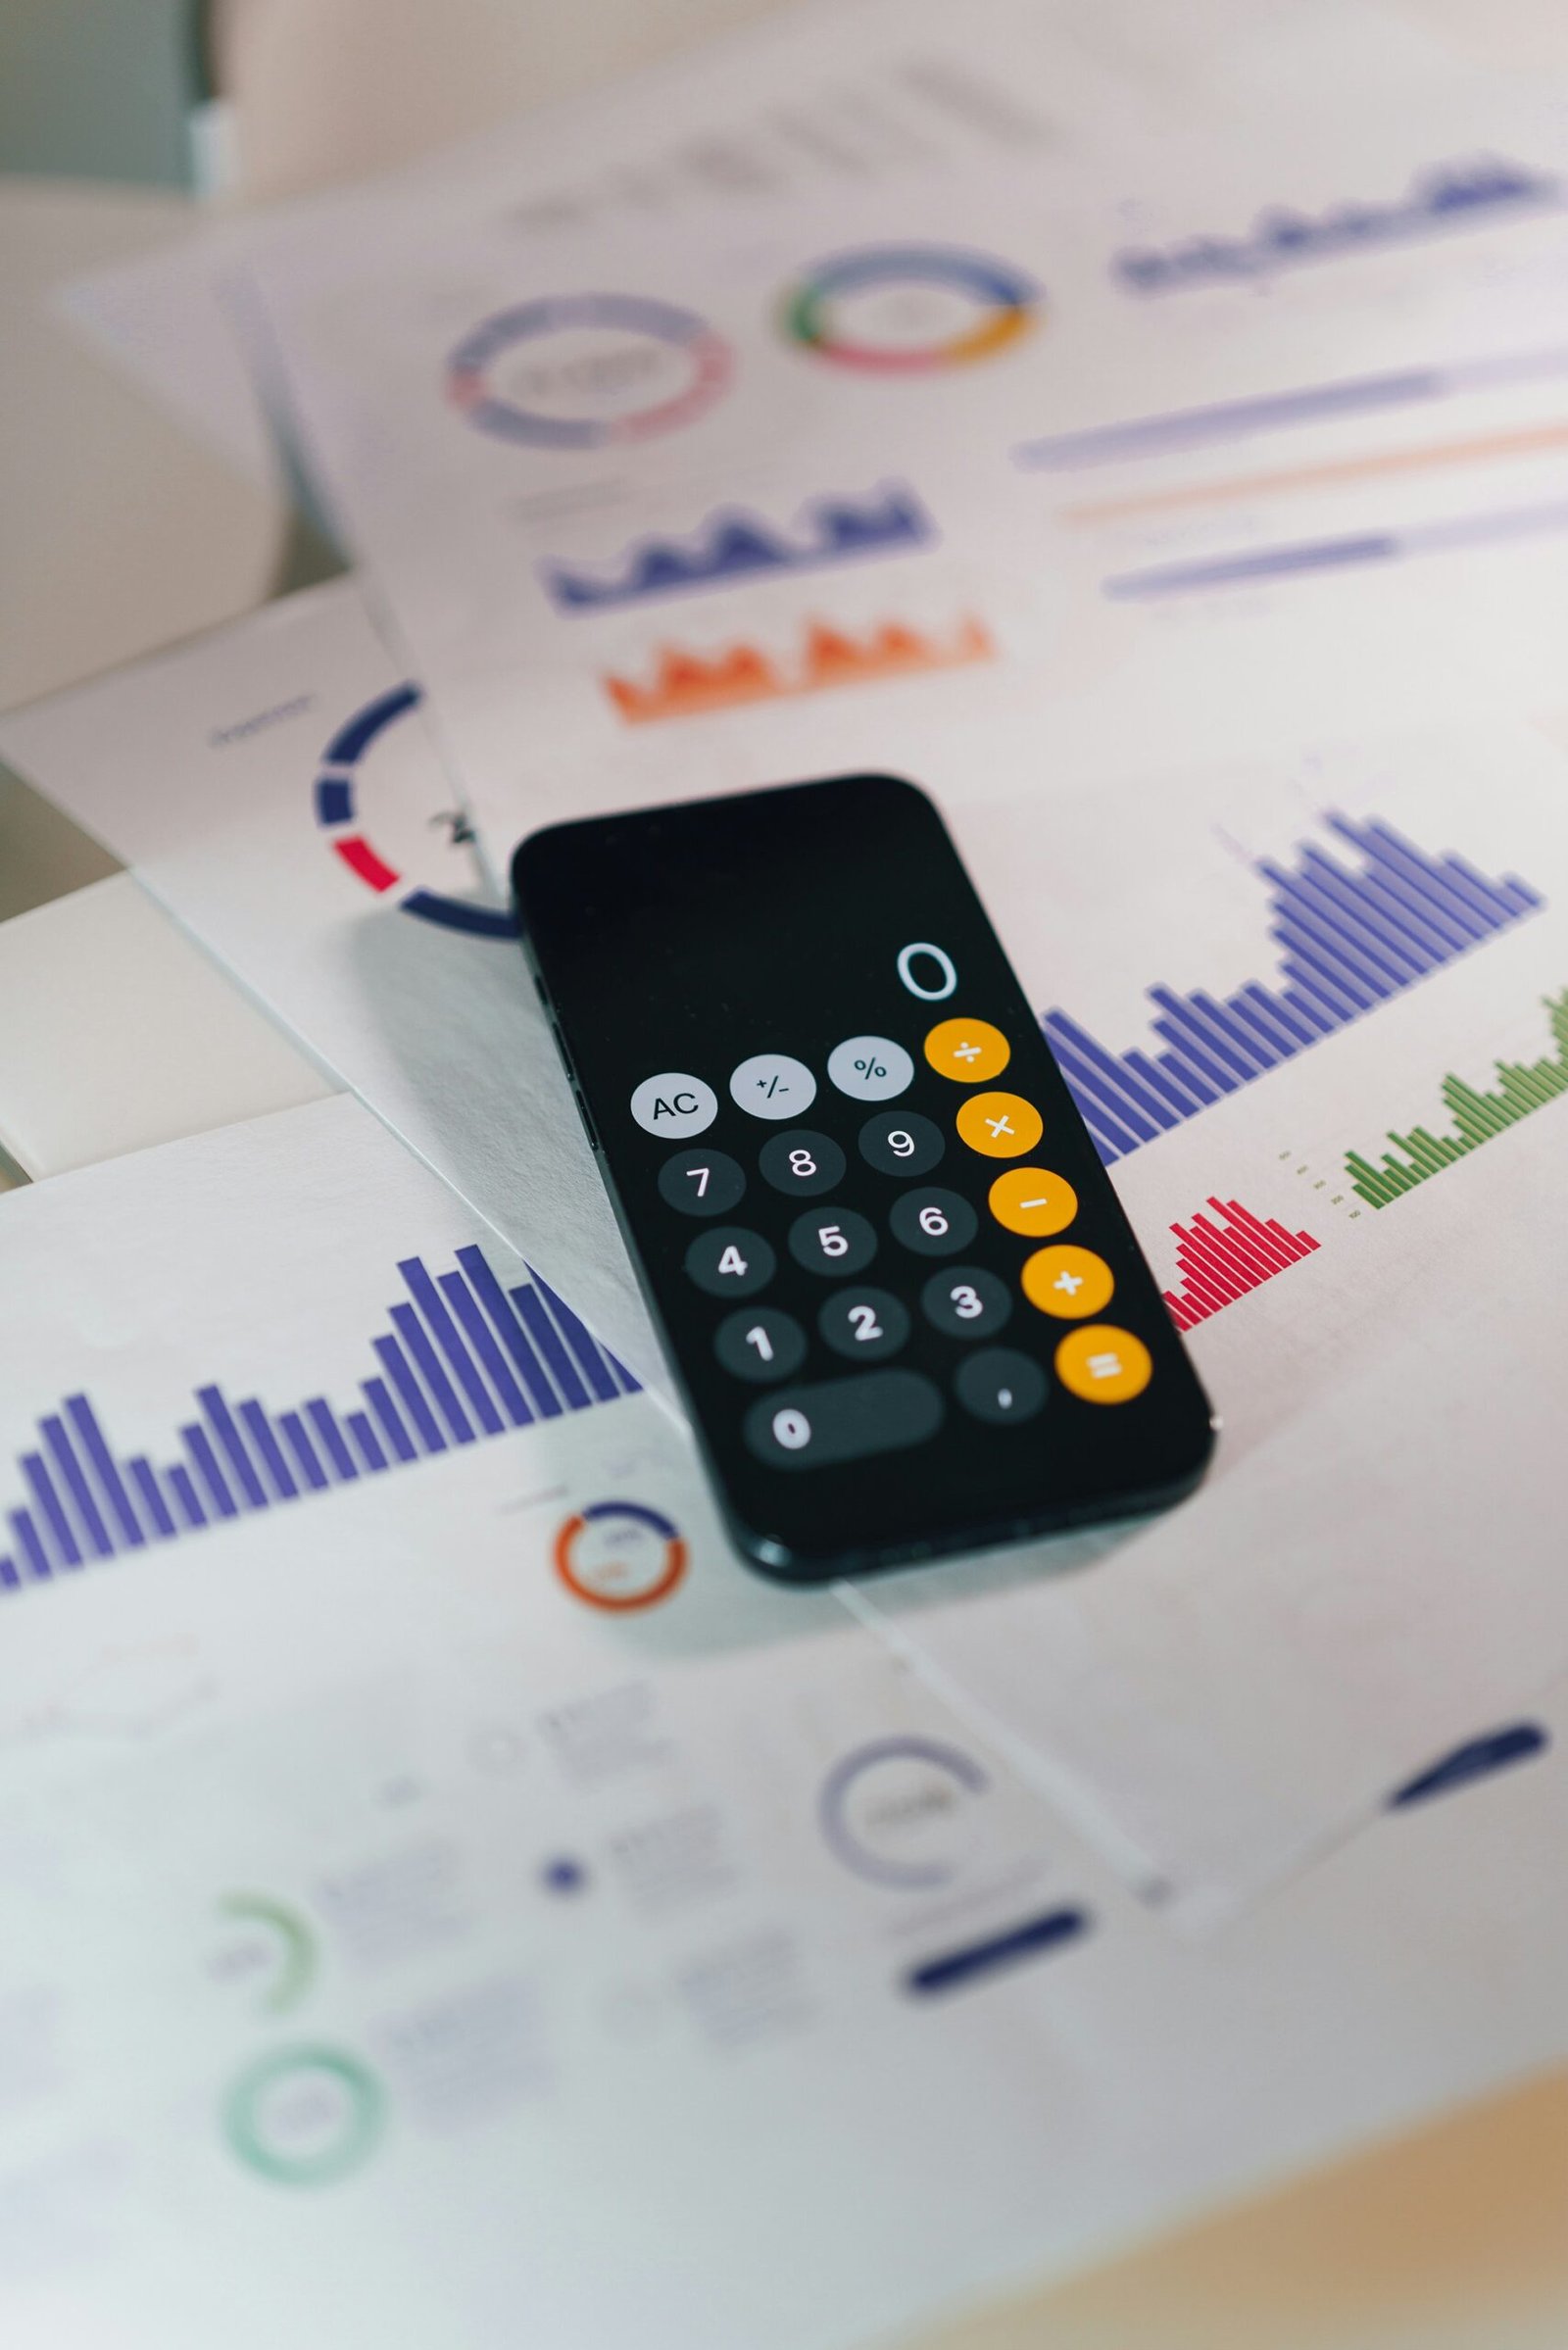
x=1476 y=1118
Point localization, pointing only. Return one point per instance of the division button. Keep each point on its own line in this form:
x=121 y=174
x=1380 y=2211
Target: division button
x=898 y=1143
x=933 y=1223
x=1001 y=1385
x=1033 y=1201
x=1069 y=1283
x=675 y=1106
x=1103 y=1364
x=844 y=1419
x=965 y=1301
x=870 y=1068
x=772 y=1086
x=864 y=1324
x=1000 y=1125
x=701 y=1183
x=802 y=1163
x=832 y=1241
x=730 y=1262
x=969 y=1052
x=760 y=1343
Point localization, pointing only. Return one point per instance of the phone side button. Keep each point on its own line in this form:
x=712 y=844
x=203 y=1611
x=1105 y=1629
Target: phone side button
x=844 y=1419
x=587 y=1122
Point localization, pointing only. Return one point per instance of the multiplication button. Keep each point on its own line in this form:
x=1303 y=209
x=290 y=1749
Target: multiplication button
x=675 y=1106
x=870 y=1068
x=1000 y=1125
x=844 y=1419
x=730 y=1262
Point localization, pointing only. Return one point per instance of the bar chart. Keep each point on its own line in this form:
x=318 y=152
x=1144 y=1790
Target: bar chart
x=1522 y=1088
x=1220 y=1260
x=1351 y=933
x=465 y=1358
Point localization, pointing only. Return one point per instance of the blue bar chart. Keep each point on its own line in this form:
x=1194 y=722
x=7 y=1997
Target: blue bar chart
x=1351 y=935
x=465 y=1357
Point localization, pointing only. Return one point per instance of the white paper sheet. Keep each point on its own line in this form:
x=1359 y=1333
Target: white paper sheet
x=399 y=1922
x=209 y=771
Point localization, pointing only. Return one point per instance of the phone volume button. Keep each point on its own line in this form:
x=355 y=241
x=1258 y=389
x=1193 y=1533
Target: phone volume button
x=587 y=1122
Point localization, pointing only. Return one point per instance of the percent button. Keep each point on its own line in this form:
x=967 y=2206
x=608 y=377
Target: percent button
x=870 y=1068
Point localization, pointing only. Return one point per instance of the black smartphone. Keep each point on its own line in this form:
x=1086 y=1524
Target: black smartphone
x=896 y=1290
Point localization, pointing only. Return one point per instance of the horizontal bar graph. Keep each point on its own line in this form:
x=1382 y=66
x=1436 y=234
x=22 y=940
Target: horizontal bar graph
x=1351 y=936
x=465 y=1357
x=1222 y=1261
x=1293 y=558
x=1522 y=1088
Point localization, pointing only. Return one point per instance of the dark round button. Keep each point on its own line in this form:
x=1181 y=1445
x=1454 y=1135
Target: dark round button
x=966 y=1301
x=730 y=1262
x=801 y=1162
x=933 y=1223
x=760 y=1343
x=1001 y=1385
x=904 y=1145
x=701 y=1183
x=866 y=1325
x=832 y=1241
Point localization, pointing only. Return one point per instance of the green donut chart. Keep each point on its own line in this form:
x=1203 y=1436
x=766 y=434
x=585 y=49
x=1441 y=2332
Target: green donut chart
x=305 y=2115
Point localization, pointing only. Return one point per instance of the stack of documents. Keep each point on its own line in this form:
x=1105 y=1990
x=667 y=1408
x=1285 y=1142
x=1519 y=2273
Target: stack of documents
x=481 y=1892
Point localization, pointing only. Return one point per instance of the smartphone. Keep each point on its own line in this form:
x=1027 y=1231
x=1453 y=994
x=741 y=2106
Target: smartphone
x=898 y=1293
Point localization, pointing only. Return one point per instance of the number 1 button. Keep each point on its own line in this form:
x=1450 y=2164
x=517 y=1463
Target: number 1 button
x=760 y=1344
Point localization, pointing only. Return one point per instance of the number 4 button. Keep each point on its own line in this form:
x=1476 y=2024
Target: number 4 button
x=730 y=1262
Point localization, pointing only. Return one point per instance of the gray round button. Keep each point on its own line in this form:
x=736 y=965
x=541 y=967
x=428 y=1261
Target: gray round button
x=701 y=1183
x=772 y=1086
x=966 y=1301
x=833 y=1241
x=675 y=1106
x=758 y=1344
x=1001 y=1385
x=864 y=1324
x=933 y=1223
x=870 y=1068
x=730 y=1262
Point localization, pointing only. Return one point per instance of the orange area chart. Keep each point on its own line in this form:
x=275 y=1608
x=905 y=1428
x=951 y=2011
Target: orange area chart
x=685 y=684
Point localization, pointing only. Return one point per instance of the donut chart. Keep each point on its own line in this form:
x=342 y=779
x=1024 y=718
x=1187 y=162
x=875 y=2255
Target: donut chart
x=337 y=812
x=1002 y=302
x=598 y=371
x=620 y=1556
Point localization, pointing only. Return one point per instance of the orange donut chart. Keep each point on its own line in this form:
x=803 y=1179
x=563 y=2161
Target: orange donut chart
x=604 y=1557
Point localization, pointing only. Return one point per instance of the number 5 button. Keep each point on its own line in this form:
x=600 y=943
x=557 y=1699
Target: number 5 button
x=833 y=1241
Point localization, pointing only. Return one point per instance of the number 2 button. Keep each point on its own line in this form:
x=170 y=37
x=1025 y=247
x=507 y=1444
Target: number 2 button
x=730 y=1262
x=701 y=1183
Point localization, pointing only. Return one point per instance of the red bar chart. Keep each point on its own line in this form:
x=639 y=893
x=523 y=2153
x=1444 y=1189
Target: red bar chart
x=1220 y=1261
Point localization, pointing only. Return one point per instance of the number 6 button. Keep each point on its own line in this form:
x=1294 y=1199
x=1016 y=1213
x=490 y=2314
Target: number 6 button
x=832 y=1241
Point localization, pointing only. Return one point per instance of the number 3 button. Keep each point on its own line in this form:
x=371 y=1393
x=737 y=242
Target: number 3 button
x=730 y=1262
x=832 y=1241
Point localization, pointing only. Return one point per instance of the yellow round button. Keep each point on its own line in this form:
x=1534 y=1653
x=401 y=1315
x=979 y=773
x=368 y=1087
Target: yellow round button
x=1000 y=1125
x=1069 y=1283
x=1034 y=1202
x=1103 y=1364
x=967 y=1050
